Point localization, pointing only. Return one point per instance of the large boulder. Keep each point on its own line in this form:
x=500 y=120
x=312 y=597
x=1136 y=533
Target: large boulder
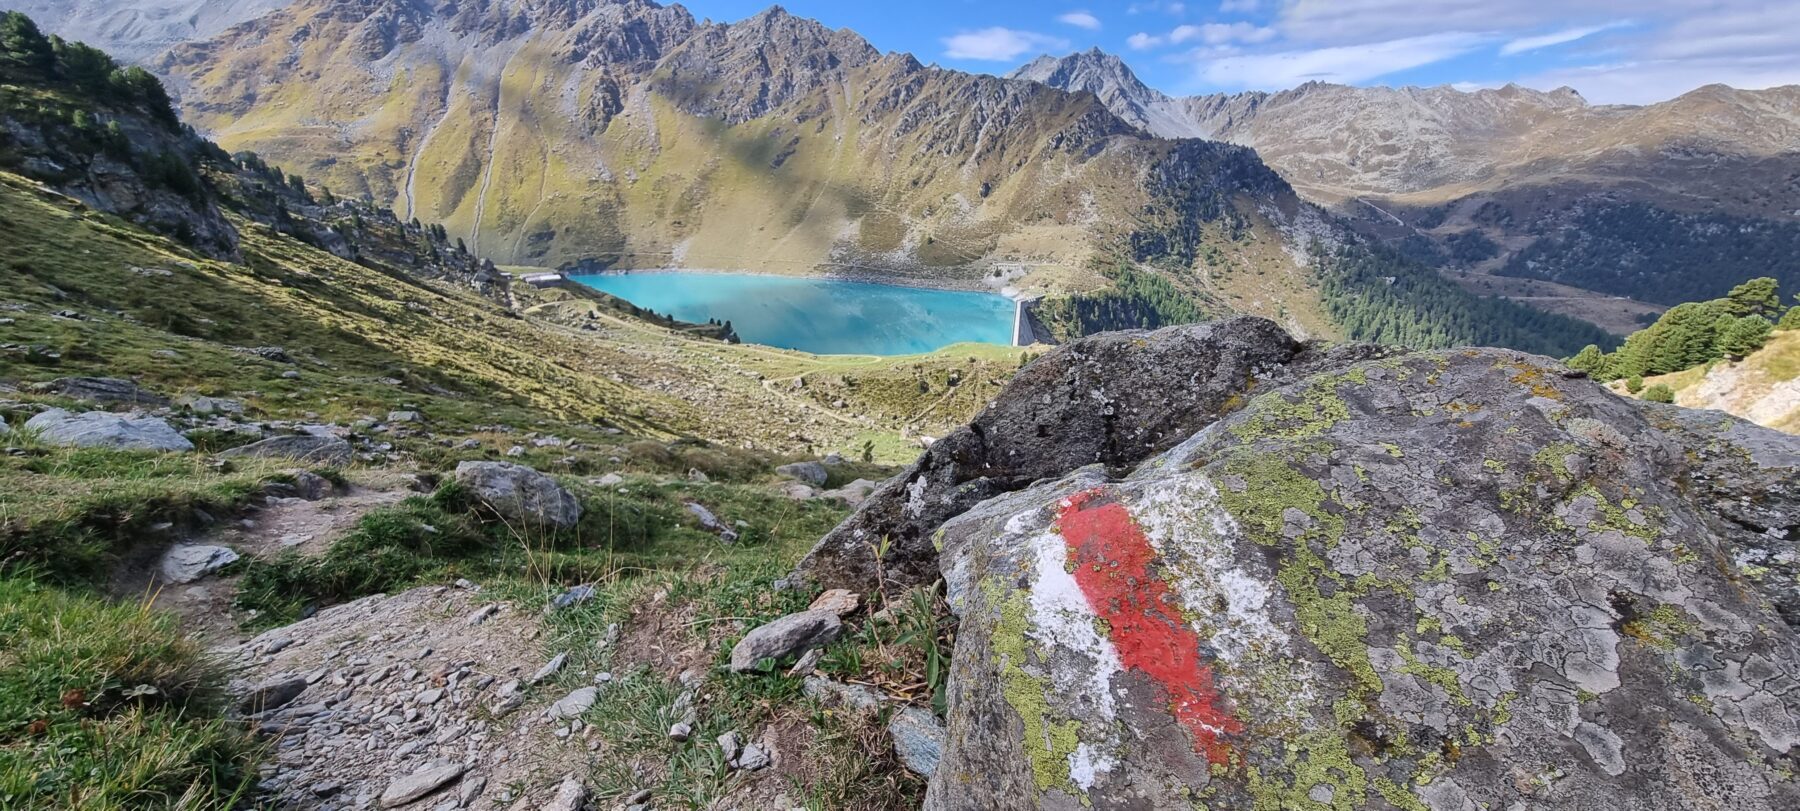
x=100 y=429
x=519 y=493
x=1112 y=399
x=1454 y=580
x=313 y=450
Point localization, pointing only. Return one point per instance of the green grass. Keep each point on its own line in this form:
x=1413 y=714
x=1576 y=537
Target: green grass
x=67 y=513
x=106 y=706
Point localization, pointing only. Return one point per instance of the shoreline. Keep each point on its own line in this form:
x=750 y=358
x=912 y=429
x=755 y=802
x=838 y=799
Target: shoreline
x=862 y=276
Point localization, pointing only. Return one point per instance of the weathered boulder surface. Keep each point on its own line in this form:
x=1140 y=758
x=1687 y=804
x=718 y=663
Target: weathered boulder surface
x=519 y=493
x=1450 y=580
x=101 y=429
x=318 y=450
x=1113 y=399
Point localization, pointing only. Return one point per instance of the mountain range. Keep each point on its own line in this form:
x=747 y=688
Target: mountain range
x=557 y=133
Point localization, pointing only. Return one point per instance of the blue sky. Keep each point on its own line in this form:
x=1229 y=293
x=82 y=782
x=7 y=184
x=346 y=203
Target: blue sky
x=1613 y=51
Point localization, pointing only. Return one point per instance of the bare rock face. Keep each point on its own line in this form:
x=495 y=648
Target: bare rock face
x=1112 y=399
x=519 y=493
x=1450 y=580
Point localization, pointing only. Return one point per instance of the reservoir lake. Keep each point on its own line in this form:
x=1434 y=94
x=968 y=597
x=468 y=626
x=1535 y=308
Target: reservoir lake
x=821 y=316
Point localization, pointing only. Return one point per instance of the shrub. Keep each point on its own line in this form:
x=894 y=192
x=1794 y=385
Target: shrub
x=1634 y=384
x=1660 y=393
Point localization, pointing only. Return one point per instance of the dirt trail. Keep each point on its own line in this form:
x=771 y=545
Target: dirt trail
x=205 y=605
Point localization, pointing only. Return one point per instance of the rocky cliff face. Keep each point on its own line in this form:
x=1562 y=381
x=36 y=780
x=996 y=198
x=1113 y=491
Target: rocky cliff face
x=1458 y=579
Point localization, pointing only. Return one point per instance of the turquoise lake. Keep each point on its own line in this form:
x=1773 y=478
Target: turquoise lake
x=822 y=316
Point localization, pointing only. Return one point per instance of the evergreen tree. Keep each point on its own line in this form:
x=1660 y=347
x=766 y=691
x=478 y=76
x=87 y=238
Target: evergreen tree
x=1745 y=335
x=1591 y=360
x=1755 y=297
x=1791 y=320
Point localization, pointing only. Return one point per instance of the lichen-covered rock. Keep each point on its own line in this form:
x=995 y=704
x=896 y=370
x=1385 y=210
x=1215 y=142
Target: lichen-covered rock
x=1452 y=580
x=1112 y=399
x=519 y=493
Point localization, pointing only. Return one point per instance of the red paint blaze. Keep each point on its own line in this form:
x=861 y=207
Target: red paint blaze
x=1112 y=565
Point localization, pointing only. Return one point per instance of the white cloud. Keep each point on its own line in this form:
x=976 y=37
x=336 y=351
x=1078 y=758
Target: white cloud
x=1239 y=6
x=1217 y=35
x=999 y=44
x=1176 y=9
x=1331 y=22
x=1651 y=81
x=1080 y=19
x=1567 y=35
x=1346 y=64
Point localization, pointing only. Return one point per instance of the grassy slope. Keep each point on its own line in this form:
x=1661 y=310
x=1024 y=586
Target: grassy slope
x=462 y=360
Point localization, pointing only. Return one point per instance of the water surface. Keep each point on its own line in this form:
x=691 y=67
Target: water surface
x=822 y=316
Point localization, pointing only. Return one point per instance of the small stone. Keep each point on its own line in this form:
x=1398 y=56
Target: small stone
x=483 y=614
x=681 y=731
x=753 y=758
x=574 y=704
x=809 y=661
x=841 y=602
x=430 y=697
x=549 y=669
x=185 y=563
x=408 y=790
x=731 y=746
x=789 y=636
x=570 y=796
x=272 y=694
x=919 y=739
x=573 y=597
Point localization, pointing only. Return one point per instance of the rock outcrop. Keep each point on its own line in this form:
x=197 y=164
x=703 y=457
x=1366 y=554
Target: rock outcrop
x=1448 y=580
x=1112 y=400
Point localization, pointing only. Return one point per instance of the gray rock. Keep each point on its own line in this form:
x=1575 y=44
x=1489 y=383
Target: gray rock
x=572 y=795
x=852 y=494
x=518 y=493
x=731 y=746
x=405 y=416
x=99 y=429
x=272 y=694
x=422 y=784
x=1113 y=399
x=575 y=596
x=106 y=390
x=550 y=668
x=1364 y=565
x=752 y=758
x=711 y=523
x=316 y=450
x=918 y=739
x=574 y=704
x=811 y=473
x=311 y=486
x=791 y=635
x=210 y=406
x=186 y=563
